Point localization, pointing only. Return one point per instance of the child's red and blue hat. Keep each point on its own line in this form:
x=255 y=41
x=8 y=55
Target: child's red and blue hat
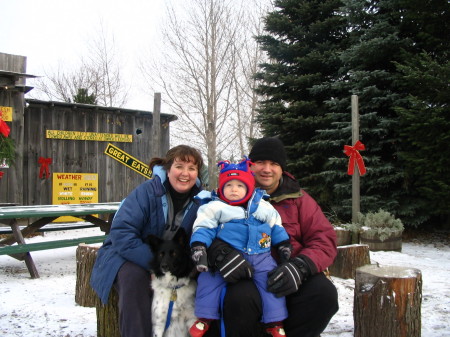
x=240 y=171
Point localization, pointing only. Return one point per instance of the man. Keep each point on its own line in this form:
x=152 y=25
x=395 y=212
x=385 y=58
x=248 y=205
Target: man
x=311 y=297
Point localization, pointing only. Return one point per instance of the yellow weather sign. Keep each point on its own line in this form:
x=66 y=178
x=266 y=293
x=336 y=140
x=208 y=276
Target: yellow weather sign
x=74 y=188
x=128 y=160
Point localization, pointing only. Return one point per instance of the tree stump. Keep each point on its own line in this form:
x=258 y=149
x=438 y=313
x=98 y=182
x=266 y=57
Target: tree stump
x=387 y=302
x=348 y=259
x=108 y=316
x=84 y=294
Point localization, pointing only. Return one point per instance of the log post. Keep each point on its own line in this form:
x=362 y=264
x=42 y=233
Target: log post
x=108 y=316
x=387 y=302
x=85 y=257
x=348 y=259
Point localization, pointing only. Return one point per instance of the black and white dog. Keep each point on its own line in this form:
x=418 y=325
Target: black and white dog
x=173 y=286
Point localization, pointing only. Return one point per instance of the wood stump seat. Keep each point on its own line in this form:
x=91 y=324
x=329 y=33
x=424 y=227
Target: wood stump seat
x=348 y=259
x=387 y=301
x=107 y=315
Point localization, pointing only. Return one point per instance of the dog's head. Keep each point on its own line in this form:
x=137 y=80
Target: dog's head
x=171 y=256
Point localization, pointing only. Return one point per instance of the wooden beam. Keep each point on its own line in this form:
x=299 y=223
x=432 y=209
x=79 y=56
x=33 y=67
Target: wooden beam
x=156 y=143
x=21 y=242
x=30 y=247
x=356 y=201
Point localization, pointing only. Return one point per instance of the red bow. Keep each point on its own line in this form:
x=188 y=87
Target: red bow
x=355 y=158
x=44 y=162
x=1 y=175
x=4 y=128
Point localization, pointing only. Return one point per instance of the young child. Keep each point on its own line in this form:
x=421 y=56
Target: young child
x=240 y=216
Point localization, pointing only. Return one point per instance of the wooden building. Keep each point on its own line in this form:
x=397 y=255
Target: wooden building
x=73 y=153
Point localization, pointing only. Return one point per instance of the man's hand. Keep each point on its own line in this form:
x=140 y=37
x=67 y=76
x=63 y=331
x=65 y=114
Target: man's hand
x=287 y=277
x=229 y=262
x=198 y=255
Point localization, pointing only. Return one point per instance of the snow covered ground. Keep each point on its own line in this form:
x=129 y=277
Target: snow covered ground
x=46 y=306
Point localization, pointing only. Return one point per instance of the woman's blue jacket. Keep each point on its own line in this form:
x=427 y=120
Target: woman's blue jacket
x=144 y=211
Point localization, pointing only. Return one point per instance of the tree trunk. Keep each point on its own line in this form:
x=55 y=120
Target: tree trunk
x=348 y=259
x=387 y=302
x=108 y=316
x=84 y=294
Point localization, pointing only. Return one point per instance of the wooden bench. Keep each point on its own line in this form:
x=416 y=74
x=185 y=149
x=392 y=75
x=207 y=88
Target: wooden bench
x=52 y=228
x=32 y=247
x=42 y=216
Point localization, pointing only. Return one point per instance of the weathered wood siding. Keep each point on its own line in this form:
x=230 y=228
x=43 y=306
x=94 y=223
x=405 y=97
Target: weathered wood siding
x=9 y=193
x=115 y=180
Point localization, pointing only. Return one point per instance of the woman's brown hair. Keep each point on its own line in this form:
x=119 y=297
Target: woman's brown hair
x=183 y=152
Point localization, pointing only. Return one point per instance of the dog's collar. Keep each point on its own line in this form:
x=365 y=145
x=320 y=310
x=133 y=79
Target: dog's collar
x=173 y=297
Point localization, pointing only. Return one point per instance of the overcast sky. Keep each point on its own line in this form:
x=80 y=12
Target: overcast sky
x=53 y=32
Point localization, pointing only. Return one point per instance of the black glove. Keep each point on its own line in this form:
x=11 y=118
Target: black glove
x=198 y=255
x=284 y=251
x=230 y=263
x=287 y=277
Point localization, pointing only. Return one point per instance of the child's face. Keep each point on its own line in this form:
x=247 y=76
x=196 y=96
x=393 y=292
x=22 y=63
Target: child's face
x=234 y=190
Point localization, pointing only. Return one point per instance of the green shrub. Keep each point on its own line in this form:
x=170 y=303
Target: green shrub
x=7 y=149
x=383 y=223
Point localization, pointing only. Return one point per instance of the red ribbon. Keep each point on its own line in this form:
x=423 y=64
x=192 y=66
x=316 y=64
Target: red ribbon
x=44 y=162
x=355 y=158
x=4 y=128
x=1 y=175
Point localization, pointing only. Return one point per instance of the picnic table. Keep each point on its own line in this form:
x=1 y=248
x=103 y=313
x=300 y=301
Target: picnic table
x=42 y=217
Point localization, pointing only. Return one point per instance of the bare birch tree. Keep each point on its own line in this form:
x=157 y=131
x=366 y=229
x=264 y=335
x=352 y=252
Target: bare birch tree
x=104 y=65
x=248 y=57
x=202 y=77
x=99 y=73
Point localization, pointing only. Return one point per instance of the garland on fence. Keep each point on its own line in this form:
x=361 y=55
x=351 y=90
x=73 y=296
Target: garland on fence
x=7 y=149
x=4 y=128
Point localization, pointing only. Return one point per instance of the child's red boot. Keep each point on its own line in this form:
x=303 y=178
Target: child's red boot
x=276 y=331
x=199 y=328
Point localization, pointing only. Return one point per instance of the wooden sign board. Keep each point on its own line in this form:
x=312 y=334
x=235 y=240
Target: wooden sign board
x=95 y=136
x=74 y=188
x=6 y=113
x=128 y=160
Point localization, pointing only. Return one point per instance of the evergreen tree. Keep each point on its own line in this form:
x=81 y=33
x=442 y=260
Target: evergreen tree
x=303 y=43
x=384 y=34
x=393 y=54
x=425 y=119
x=368 y=71
x=83 y=97
x=425 y=132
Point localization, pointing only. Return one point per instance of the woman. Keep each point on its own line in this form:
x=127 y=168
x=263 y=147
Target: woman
x=160 y=206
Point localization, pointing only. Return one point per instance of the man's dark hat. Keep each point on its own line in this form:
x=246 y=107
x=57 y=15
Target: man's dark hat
x=269 y=148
